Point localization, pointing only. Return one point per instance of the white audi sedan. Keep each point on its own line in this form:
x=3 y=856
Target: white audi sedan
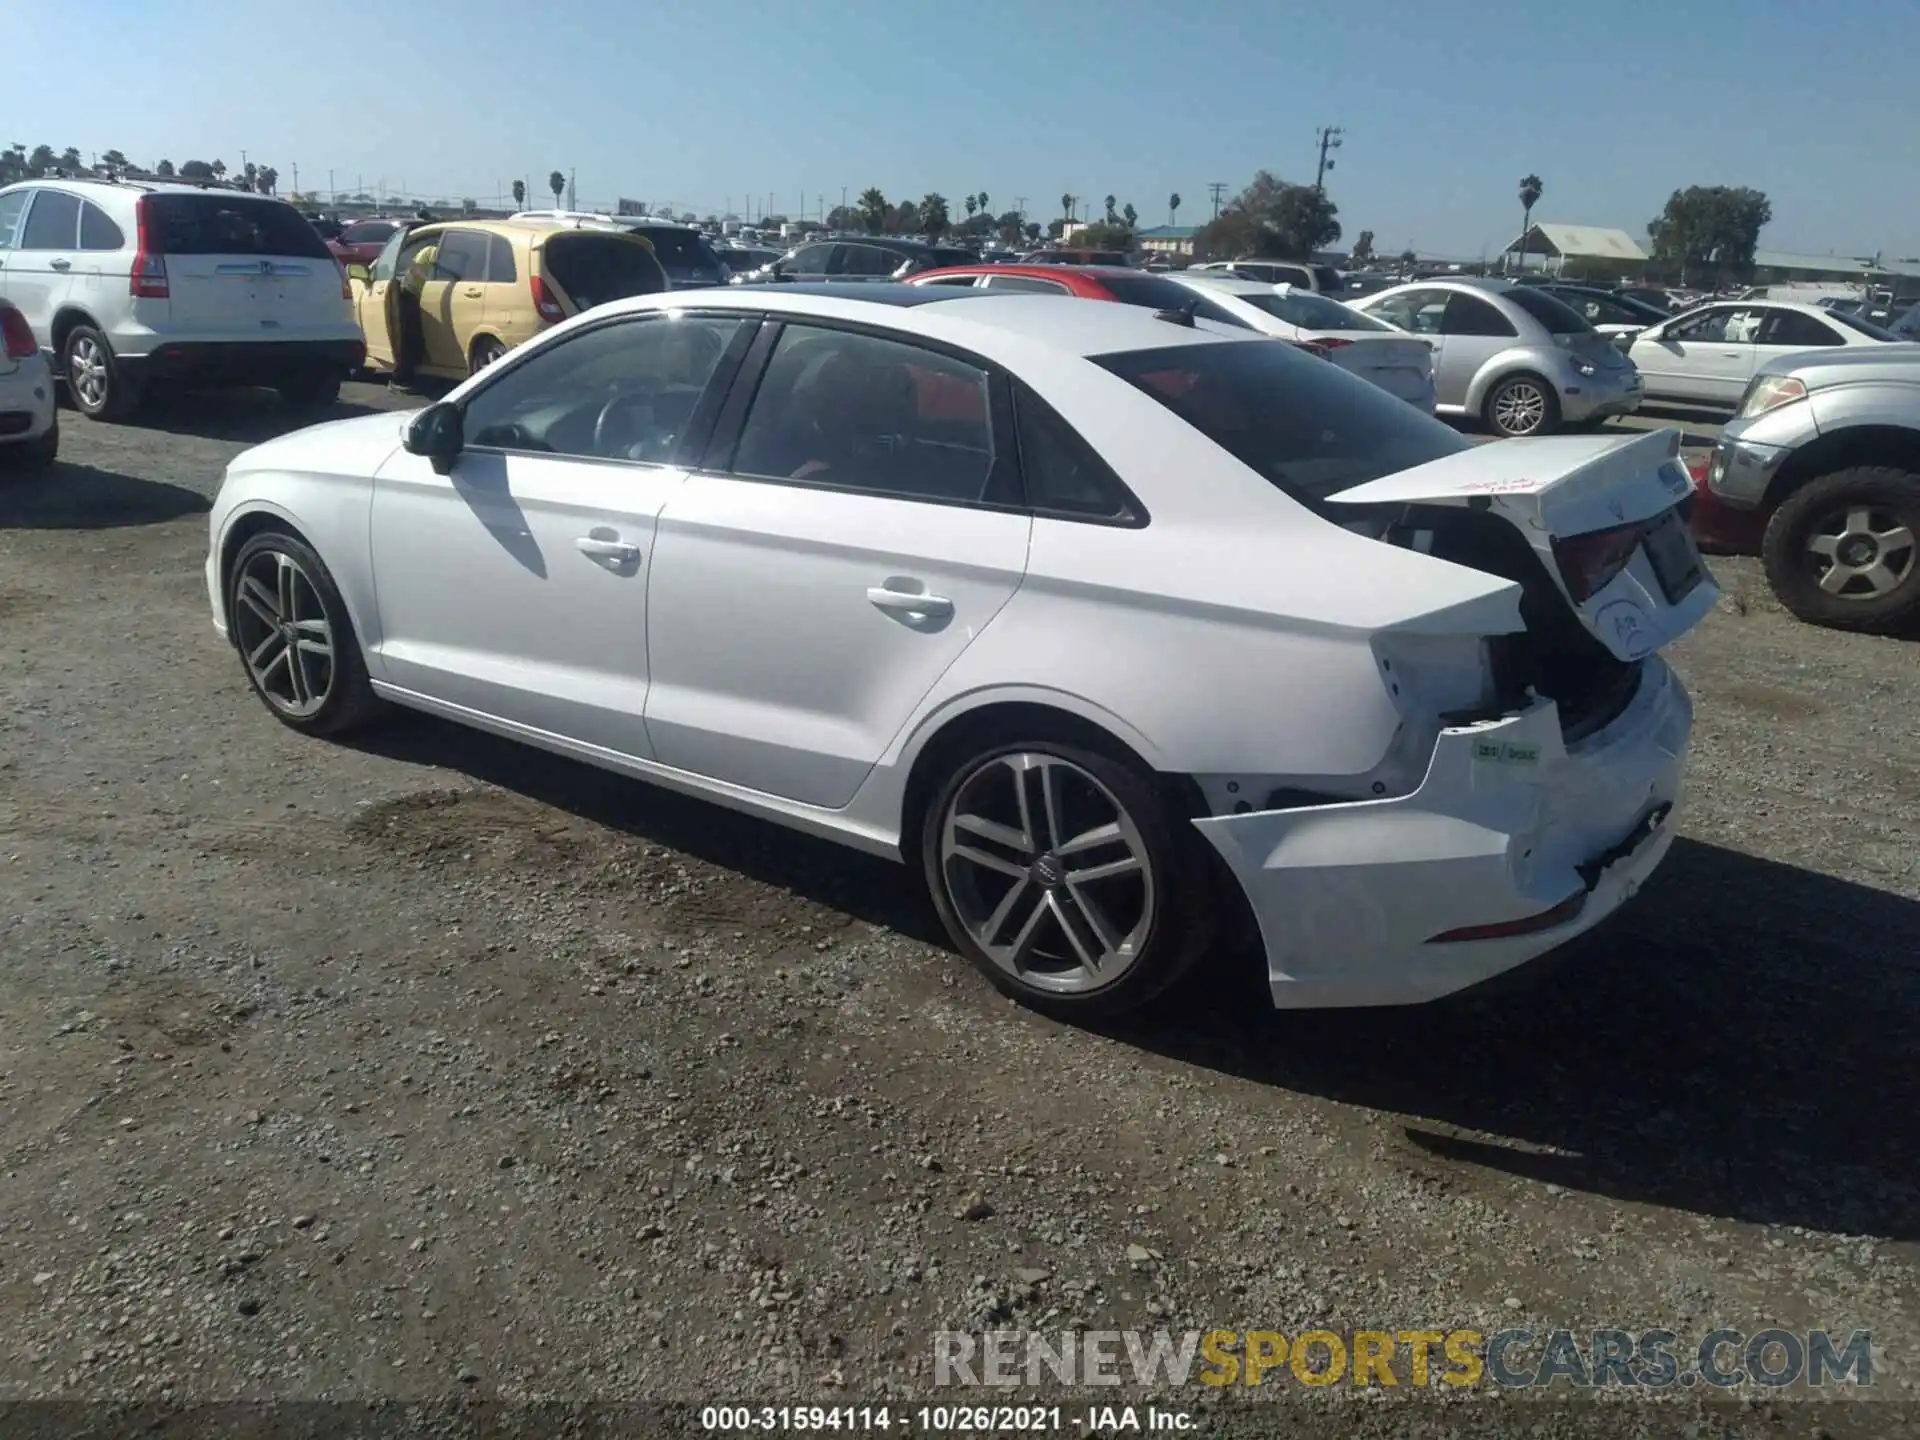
x=29 y=423
x=1099 y=619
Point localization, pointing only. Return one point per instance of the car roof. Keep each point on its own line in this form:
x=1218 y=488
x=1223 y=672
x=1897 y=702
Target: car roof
x=512 y=228
x=1039 y=272
x=143 y=187
x=1226 y=284
x=1058 y=322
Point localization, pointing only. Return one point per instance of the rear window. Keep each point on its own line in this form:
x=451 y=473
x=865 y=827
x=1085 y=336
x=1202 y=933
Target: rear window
x=229 y=225
x=1559 y=317
x=1311 y=312
x=1861 y=327
x=1306 y=426
x=1327 y=278
x=944 y=258
x=675 y=246
x=594 y=269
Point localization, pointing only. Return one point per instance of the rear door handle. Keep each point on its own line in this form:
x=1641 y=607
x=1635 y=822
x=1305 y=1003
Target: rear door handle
x=607 y=549
x=908 y=602
x=61 y=264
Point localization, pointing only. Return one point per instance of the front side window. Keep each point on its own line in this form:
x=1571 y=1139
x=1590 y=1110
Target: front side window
x=1722 y=325
x=1470 y=315
x=53 y=223
x=462 y=256
x=808 y=260
x=1307 y=427
x=857 y=412
x=624 y=391
x=1419 y=311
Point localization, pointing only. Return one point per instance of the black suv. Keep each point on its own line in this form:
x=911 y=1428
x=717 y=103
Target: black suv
x=866 y=257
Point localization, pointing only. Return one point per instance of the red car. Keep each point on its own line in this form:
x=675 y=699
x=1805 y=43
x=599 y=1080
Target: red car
x=361 y=242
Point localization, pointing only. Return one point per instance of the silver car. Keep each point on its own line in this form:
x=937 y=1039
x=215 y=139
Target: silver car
x=1521 y=360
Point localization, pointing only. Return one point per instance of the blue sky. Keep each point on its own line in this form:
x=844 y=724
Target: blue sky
x=1445 y=105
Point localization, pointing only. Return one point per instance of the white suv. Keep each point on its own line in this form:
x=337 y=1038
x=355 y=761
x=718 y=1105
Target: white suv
x=1321 y=279
x=128 y=284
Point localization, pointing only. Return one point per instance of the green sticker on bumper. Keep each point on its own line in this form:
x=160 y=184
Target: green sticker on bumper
x=1495 y=752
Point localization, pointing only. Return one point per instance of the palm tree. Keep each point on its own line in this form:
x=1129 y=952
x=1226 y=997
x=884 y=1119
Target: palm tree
x=269 y=179
x=1530 y=191
x=519 y=194
x=973 y=204
x=873 y=209
x=1173 y=206
x=1112 y=219
x=933 y=215
x=556 y=182
x=1130 y=215
x=1066 y=206
x=985 y=208
x=218 y=169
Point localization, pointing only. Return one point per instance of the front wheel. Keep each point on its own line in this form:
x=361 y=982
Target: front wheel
x=1065 y=877
x=289 y=624
x=1844 y=550
x=1523 y=405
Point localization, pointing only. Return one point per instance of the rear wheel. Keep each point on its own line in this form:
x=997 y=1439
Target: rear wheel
x=296 y=642
x=486 y=351
x=1065 y=877
x=100 y=388
x=1523 y=405
x=1844 y=550
x=311 y=390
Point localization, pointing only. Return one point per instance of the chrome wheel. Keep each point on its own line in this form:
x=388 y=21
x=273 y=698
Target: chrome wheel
x=87 y=372
x=1520 y=408
x=280 y=626
x=1862 y=553
x=1047 y=872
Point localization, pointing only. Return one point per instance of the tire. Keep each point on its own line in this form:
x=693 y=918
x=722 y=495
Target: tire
x=99 y=387
x=35 y=456
x=312 y=390
x=1507 y=402
x=486 y=351
x=994 y=914
x=1850 y=520
x=275 y=581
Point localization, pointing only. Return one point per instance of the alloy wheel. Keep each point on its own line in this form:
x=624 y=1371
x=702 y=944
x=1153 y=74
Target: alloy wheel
x=1520 y=408
x=87 y=372
x=281 y=628
x=1862 y=552
x=1047 y=872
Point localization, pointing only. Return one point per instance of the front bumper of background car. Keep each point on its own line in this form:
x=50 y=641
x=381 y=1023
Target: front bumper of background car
x=1511 y=846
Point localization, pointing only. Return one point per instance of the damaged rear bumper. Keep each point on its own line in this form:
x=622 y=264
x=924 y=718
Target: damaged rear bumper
x=1510 y=832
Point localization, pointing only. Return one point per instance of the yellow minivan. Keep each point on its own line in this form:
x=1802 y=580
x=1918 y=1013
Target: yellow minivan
x=495 y=284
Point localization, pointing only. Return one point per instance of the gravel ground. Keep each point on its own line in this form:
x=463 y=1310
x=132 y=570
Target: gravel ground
x=434 y=1067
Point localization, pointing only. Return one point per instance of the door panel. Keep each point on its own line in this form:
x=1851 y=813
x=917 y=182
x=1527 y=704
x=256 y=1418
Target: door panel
x=1709 y=357
x=787 y=647
x=42 y=264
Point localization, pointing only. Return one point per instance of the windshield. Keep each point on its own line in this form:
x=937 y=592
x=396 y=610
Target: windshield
x=1312 y=312
x=1559 y=317
x=1306 y=426
x=228 y=225
x=1861 y=327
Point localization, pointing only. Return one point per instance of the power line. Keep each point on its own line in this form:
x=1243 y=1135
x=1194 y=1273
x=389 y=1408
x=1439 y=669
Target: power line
x=1218 y=189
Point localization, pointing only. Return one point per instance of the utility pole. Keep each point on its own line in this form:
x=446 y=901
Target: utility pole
x=1329 y=138
x=1020 y=207
x=296 y=177
x=1218 y=188
x=333 y=195
x=572 y=198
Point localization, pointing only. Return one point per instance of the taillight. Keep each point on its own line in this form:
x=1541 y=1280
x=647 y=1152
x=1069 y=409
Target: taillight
x=346 y=285
x=149 y=281
x=17 y=334
x=1589 y=562
x=1330 y=342
x=545 y=302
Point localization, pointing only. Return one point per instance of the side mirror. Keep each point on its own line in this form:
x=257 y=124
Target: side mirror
x=1625 y=338
x=360 y=273
x=437 y=433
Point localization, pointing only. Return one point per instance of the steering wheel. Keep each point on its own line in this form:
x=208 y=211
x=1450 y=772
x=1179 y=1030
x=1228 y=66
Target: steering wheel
x=624 y=410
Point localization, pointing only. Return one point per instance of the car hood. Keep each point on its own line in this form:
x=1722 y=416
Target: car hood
x=1838 y=365
x=346 y=447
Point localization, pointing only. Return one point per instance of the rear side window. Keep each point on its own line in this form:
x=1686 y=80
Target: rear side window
x=1790 y=327
x=867 y=261
x=97 y=230
x=1559 y=317
x=500 y=267
x=1905 y=323
x=1026 y=284
x=1306 y=426
x=1064 y=475
x=210 y=224
x=53 y=223
x=595 y=268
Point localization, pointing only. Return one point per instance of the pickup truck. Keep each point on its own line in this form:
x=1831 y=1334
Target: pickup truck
x=1819 y=470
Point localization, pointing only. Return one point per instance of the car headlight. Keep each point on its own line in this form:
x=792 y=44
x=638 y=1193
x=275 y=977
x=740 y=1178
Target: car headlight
x=1766 y=392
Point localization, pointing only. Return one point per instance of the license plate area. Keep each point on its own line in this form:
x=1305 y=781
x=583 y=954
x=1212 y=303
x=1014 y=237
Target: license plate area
x=1674 y=557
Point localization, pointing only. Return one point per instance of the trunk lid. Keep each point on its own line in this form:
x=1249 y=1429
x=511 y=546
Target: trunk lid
x=1602 y=515
x=244 y=264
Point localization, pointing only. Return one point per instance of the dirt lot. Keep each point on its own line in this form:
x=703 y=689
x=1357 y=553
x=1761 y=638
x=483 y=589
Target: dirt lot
x=434 y=1066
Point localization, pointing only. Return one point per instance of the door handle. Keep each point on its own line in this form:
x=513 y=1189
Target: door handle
x=472 y=292
x=1731 y=354
x=607 y=549
x=908 y=602
x=61 y=264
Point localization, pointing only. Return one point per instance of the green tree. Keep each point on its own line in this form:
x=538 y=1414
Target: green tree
x=70 y=160
x=267 y=180
x=468 y=207
x=1034 y=232
x=905 y=218
x=933 y=215
x=164 y=169
x=1273 y=218
x=1709 y=231
x=1130 y=215
x=519 y=194
x=1104 y=237
x=218 y=169
x=557 y=183
x=1111 y=217
x=1530 y=192
x=1363 y=248
x=41 y=160
x=1173 y=207
x=1010 y=228
x=115 y=163
x=250 y=177
x=873 y=210
x=13 y=163
x=196 y=170
x=1407 y=257
x=844 y=217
